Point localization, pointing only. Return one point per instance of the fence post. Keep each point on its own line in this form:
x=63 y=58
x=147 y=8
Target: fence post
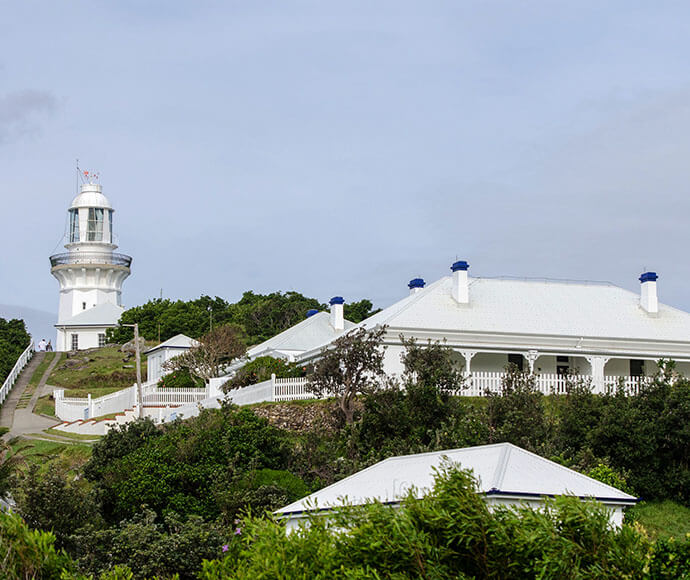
x=273 y=386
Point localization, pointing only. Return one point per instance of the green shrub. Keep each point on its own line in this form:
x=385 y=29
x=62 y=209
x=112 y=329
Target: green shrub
x=179 y=469
x=27 y=553
x=50 y=501
x=260 y=369
x=148 y=547
x=180 y=379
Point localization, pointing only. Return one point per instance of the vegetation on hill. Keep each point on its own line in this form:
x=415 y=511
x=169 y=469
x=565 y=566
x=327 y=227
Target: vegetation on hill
x=261 y=316
x=13 y=341
x=98 y=371
x=162 y=499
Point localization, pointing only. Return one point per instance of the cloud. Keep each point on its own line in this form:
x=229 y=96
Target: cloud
x=20 y=110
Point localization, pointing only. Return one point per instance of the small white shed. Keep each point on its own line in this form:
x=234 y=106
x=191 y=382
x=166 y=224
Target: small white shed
x=507 y=475
x=157 y=355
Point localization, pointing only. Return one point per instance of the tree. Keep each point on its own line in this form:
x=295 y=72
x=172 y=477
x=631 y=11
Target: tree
x=431 y=365
x=358 y=311
x=351 y=366
x=208 y=359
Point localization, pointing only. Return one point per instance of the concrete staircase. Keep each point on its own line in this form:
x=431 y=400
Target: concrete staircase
x=96 y=426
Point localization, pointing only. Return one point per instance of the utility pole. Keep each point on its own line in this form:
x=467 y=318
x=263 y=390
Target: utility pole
x=140 y=395
x=210 y=319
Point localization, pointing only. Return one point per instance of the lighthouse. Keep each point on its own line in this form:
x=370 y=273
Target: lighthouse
x=90 y=273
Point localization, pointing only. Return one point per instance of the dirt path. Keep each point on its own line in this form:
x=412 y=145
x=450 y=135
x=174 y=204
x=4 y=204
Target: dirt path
x=22 y=421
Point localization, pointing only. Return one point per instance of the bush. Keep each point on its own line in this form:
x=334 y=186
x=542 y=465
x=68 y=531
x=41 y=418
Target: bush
x=260 y=369
x=517 y=415
x=180 y=469
x=180 y=379
x=26 y=553
x=149 y=548
x=49 y=501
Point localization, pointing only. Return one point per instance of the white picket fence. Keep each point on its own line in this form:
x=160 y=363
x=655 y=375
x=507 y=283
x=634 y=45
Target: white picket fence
x=73 y=408
x=186 y=402
x=24 y=358
x=477 y=385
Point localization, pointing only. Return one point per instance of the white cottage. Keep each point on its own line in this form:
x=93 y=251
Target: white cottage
x=316 y=329
x=158 y=355
x=506 y=474
x=551 y=327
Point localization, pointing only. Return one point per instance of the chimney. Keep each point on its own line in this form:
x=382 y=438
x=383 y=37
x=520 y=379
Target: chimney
x=648 y=297
x=337 y=318
x=415 y=285
x=460 y=290
x=311 y=312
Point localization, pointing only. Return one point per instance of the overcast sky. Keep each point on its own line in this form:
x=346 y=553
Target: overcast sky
x=347 y=147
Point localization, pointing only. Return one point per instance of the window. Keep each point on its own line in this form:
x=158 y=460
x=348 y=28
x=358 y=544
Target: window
x=94 y=232
x=562 y=365
x=73 y=225
x=636 y=368
x=110 y=225
x=101 y=340
x=75 y=342
x=517 y=360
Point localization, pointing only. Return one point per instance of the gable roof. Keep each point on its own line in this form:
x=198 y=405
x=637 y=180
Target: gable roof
x=179 y=341
x=305 y=335
x=105 y=314
x=501 y=469
x=539 y=307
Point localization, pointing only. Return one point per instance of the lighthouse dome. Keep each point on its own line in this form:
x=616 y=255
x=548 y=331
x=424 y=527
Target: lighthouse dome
x=91 y=195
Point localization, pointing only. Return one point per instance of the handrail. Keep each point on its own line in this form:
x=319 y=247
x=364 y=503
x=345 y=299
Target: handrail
x=24 y=358
x=110 y=258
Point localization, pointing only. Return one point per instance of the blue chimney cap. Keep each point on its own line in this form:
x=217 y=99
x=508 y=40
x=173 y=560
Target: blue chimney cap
x=648 y=277
x=336 y=300
x=460 y=265
x=311 y=312
x=416 y=283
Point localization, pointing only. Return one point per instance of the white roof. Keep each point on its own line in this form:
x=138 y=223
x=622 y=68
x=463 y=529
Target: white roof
x=501 y=469
x=105 y=314
x=305 y=335
x=91 y=196
x=179 y=341
x=539 y=307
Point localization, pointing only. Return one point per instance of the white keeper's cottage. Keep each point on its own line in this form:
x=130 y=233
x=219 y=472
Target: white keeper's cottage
x=602 y=332
x=90 y=273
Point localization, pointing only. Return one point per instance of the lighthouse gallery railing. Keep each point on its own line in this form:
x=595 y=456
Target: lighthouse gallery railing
x=69 y=258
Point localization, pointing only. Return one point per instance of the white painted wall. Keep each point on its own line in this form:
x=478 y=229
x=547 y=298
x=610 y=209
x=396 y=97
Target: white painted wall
x=88 y=337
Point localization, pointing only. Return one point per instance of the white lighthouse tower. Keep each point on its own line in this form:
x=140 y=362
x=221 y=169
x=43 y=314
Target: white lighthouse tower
x=90 y=273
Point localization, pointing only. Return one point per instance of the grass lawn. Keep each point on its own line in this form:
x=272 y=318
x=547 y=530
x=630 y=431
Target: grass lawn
x=70 y=456
x=99 y=371
x=661 y=519
x=45 y=406
x=76 y=436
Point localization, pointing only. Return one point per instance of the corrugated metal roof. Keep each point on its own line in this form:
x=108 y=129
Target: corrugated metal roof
x=499 y=468
x=177 y=341
x=305 y=335
x=540 y=307
x=106 y=314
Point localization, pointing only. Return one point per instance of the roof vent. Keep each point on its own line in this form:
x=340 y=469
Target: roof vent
x=648 y=296
x=337 y=316
x=460 y=289
x=311 y=312
x=415 y=285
